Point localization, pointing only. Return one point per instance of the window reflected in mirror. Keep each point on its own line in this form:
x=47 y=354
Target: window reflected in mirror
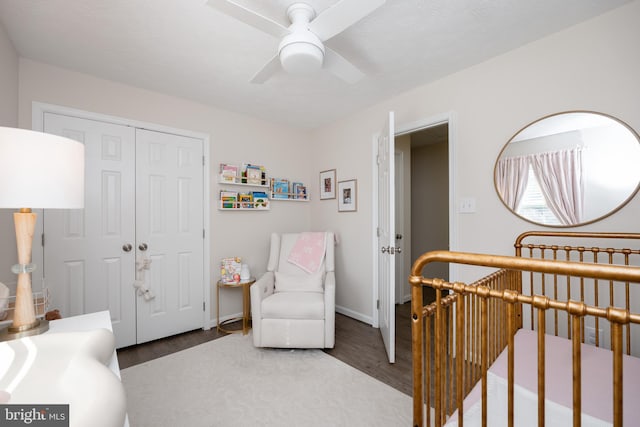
x=569 y=169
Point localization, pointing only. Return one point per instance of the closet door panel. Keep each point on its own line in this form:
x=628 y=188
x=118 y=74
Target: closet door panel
x=86 y=266
x=169 y=232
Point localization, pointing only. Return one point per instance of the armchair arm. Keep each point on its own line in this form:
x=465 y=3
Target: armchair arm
x=329 y=309
x=262 y=288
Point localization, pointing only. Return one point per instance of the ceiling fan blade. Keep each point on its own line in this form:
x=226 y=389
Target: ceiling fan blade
x=342 y=15
x=271 y=68
x=249 y=17
x=340 y=67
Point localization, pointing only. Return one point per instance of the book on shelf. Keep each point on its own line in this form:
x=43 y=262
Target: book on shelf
x=228 y=199
x=230 y=269
x=299 y=191
x=228 y=172
x=253 y=174
x=245 y=200
x=260 y=199
x=280 y=188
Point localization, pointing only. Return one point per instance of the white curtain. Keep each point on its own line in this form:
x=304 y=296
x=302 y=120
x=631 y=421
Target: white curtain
x=559 y=174
x=511 y=179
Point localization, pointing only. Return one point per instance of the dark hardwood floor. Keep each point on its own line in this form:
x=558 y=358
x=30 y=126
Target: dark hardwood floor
x=357 y=344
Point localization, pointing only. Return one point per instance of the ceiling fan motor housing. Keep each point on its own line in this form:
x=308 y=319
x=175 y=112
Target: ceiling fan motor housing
x=301 y=55
x=301 y=51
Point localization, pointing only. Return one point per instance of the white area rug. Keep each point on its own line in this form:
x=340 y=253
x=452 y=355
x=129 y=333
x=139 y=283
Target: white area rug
x=228 y=382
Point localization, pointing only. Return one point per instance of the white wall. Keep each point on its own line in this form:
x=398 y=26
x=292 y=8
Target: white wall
x=592 y=66
x=234 y=138
x=8 y=81
x=8 y=117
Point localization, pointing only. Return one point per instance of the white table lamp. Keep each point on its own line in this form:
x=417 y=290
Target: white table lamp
x=37 y=171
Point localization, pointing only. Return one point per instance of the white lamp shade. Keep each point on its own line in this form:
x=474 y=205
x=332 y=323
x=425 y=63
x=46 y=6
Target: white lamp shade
x=40 y=170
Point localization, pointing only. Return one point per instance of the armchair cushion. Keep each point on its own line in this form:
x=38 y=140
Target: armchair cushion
x=285 y=282
x=294 y=305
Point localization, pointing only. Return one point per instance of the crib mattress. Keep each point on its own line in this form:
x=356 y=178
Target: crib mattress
x=597 y=391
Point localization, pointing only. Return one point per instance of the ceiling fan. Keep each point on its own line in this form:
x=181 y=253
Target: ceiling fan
x=301 y=49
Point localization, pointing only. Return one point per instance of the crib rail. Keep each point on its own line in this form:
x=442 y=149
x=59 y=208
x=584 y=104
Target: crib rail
x=441 y=336
x=473 y=324
x=591 y=247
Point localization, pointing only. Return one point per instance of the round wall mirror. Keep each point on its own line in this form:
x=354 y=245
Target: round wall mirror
x=569 y=169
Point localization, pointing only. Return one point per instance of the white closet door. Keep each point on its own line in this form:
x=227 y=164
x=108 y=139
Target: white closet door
x=87 y=267
x=169 y=224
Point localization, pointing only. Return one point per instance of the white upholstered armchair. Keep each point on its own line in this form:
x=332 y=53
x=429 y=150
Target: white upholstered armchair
x=293 y=303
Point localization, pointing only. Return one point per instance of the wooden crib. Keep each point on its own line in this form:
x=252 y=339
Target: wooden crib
x=571 y=289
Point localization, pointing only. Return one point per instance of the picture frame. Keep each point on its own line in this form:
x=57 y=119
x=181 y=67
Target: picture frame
x=328 y=184
x=348 y=196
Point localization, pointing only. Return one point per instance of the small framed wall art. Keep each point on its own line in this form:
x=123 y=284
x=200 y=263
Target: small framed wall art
x=348 y=196
x=328 y=184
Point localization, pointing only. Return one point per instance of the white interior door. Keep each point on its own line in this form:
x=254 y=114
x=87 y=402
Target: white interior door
x=169 y=232
x=386 y=236
x=86 y=262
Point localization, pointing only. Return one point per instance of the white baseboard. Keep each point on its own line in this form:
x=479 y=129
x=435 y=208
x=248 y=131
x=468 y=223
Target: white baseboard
x=214 y=322
x=354 y=314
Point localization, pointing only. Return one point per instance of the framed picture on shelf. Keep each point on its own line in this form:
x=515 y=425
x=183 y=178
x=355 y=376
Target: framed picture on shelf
x=328 y=184
x=348 y=196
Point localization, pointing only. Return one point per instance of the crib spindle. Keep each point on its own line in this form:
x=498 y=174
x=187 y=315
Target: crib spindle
x=460 y=323
x=577 y=310
x=483 y=291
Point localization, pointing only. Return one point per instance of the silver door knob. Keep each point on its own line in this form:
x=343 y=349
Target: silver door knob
x=398 y=250
x=384 y=249
x=142 y=246
x=127 y=247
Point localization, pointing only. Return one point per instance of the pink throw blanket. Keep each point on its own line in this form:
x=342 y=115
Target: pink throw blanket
x=308 y=251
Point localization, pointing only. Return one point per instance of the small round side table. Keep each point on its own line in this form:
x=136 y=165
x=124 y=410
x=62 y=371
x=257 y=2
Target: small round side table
x=246 y=305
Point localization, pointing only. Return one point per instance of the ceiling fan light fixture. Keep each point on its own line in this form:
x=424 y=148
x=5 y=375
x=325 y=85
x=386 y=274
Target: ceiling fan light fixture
x=301 y=52
x=301 y=58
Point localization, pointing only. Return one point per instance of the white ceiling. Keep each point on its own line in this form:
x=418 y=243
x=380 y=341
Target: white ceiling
x=187 y=49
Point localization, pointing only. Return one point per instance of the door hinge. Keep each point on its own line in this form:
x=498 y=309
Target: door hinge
x=378 y=304
x=203 y=306
x=203 y=233
x=202 y=160
x=42 y=240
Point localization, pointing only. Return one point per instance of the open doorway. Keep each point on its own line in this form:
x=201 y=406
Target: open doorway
x=400 y=182
x=422 y=203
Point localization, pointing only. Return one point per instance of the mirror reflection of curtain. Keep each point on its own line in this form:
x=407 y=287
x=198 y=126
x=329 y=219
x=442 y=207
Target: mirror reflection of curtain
x=512 y=177
x=559 y=174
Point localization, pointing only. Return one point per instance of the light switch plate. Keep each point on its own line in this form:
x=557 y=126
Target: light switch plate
x=467 y=205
